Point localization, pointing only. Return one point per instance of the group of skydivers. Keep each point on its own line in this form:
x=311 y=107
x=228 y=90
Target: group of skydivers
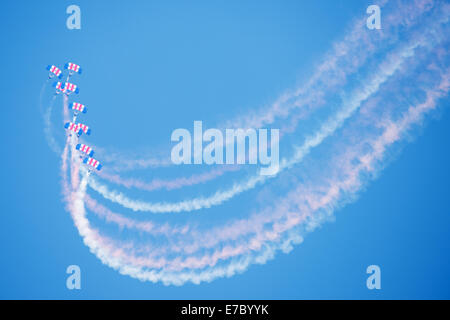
x=78 y=128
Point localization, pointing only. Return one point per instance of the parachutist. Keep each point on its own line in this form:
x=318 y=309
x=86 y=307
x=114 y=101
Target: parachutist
x=93 y=163
x=75 y=128
x=85 y=149
x=54 y=71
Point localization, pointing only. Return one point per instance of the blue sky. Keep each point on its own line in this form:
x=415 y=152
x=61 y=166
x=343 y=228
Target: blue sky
x=152 y=67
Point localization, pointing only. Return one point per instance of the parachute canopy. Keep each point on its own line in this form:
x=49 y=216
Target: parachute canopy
x=93 y=163
x=54 y=71
x=71 y=87
x=67 y=87
x=85 y=149
x=59 y=86
x=75 y=106
x=73 y=127
x=85 y=128
x=72 y=67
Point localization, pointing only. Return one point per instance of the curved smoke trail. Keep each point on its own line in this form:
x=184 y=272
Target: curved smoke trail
x=340 y=63
x=358 y=137
x=329 y=197
x=345 y=59
x=371 y=85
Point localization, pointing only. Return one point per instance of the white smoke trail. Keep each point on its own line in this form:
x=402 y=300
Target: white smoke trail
x=51 y=141
x=391 y=134
x=385 y=71
x=172 y=184
x=331 y=199
x=346 y=57
x=336 y=66
x=307 y=207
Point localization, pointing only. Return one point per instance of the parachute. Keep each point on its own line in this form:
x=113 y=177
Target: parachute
x=54 y=72
x=72 y=67
x=85 y=128
x=78 y=107
x=66 y=88
x=73 y=127
x=85 y=149
x=93 y=163
x=59 y=86
x=70 y=87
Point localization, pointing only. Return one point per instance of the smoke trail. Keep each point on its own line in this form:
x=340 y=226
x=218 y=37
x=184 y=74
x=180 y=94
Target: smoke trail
x=390 y=135
x=176 y=183
x=66 y=116
x=123 y=222
x=48 y=129
x=385 y=71
x=337 y=65
x=336 y=194
x=309 y=95
x=301 y=211
x=347 y=56
x=316 y=200
x=46 y=115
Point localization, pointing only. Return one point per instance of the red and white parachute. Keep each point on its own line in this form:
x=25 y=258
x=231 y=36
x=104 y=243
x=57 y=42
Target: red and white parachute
x=70 y=87
x=78 y=107
x=93 y=163
x=66 y=88
x=59 y=86
x=72 y=67
x=85 y=149
x=85 y=128
x=77 y=128
x=73 y=127
x=54 y=72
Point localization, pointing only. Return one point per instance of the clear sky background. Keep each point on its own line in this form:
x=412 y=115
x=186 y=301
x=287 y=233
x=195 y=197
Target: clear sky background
x=153 y=66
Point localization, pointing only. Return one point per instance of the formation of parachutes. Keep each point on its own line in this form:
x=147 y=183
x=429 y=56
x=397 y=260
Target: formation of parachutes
x=341 y=128
x=68 y=88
